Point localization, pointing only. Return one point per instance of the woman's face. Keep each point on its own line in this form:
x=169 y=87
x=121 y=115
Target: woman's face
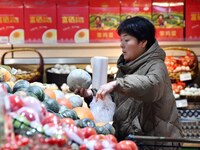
x=131 y=47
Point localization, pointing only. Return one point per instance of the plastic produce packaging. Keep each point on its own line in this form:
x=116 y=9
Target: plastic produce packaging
x=103 y=110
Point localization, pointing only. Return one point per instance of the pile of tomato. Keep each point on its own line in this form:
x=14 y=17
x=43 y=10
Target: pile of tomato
x=177 y=87
x=53 y=131
x=180 y=64
x=40 y=142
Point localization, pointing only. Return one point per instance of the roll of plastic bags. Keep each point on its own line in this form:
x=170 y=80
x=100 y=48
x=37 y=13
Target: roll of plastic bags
x=99 y=71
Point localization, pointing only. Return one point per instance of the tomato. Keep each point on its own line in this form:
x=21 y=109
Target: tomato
x=97 y=137
x=183 y=84
x=50 y=118
x=127 y=144
x=174 y=86
x=88 y=131
x=77 y=131
x=180 y=87
x=61 y=141
x=28 y=113
x=67 y=121
x=23 y=141
x=40 y=138
x=9 y=146
x=111 y=138
x=98 y=145
x=177 y=91
x=15 y=102
x=50 y=141
x=121 y=146
x=43 y=112
x=82 y=147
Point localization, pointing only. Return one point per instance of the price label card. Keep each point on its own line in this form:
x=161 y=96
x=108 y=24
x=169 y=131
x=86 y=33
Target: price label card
x=4 y=39
x=185 y=76
x=181 y=103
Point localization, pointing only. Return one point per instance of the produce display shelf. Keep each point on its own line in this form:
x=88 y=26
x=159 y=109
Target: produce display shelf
x=82 y=52
x=71 y=60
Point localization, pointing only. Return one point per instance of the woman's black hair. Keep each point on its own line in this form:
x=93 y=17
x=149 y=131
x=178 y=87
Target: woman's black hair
x=139 y=27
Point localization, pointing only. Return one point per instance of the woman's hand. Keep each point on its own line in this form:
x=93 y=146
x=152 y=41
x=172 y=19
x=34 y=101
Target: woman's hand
x=83 y=92
x=105 y=89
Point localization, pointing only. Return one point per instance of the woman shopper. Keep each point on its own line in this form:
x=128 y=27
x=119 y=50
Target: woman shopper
x=145 y=104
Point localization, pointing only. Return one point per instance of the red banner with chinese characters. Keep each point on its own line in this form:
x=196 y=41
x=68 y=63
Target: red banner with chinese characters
x=40 y=21
x=168 y=18
x=192 y=20
x=130 y=8
x=73 y=21
x=104 y=20
x=11 y=22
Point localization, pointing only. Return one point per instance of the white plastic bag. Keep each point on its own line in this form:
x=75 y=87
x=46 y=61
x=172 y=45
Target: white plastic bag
x=103 y=110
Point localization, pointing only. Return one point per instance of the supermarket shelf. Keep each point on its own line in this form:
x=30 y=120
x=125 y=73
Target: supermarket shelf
x=72 y=60
x=5 y=46
x=85 y=60
x=81 y=53
x=95 y=45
